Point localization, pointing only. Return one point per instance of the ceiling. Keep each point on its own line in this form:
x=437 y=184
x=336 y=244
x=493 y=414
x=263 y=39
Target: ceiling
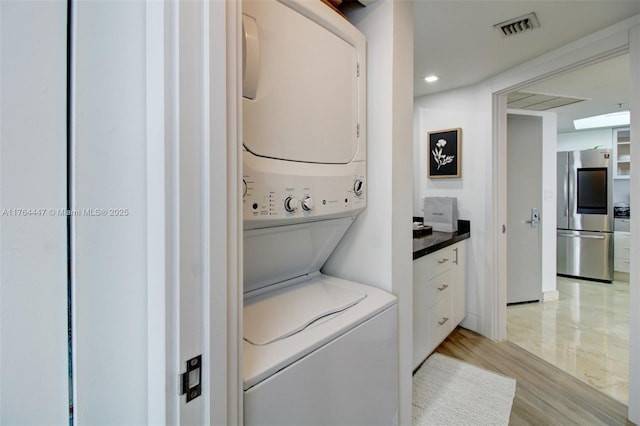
x=605 y=86
x=455 y=40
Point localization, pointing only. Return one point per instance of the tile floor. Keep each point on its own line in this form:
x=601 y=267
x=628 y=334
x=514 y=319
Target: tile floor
x=585 y=332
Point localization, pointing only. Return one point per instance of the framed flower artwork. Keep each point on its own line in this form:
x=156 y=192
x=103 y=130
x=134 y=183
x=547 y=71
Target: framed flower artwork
x=444 y=155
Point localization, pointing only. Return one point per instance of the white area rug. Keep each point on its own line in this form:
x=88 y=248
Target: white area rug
x=447 y=391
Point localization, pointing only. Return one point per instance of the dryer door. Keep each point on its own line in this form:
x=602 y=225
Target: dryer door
x=301 y=87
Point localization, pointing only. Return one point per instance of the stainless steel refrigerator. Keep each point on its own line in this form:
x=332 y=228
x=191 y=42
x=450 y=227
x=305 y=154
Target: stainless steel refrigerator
x=585 y=215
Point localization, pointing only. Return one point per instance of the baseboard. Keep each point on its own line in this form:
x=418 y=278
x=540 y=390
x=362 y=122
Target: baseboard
x=549 y=296
x=621 y=276
x=470 y=322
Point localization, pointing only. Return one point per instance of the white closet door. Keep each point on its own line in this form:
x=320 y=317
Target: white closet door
x=524 y=192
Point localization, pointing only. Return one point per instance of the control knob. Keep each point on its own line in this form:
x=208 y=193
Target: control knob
x=308 y=203
x=291 y=204
x=358 y=187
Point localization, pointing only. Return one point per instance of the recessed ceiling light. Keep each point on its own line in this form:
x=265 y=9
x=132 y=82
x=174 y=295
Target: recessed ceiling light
x=621 y=118
x=431 y=78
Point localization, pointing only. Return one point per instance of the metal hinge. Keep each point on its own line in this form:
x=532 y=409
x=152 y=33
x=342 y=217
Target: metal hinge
x=192 y=379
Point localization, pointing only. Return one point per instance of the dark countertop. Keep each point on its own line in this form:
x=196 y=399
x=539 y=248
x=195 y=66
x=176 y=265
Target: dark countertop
x=438 y=240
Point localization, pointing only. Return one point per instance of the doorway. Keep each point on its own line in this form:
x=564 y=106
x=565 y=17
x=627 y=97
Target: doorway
x=580 y=326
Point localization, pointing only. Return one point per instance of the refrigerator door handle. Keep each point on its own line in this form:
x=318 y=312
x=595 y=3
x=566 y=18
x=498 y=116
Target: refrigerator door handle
x=594 y=237
x=570 y=200
x=566 y=191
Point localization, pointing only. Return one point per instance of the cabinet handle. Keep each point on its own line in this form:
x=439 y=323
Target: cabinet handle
x=443 y=260
x=444 y=287
x=444 y=319
x=455 y=250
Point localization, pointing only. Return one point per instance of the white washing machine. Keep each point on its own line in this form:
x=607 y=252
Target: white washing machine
x=318 y=350
x=341 y=370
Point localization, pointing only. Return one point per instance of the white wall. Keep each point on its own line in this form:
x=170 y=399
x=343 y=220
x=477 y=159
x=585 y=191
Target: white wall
x=377 y=249
x=466 y=109
x=402 y=231
x=549 y=203
x=33 y=246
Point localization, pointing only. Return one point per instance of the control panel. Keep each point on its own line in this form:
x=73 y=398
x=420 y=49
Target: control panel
x=271 y=199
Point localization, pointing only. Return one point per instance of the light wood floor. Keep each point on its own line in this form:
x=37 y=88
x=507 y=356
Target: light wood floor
x=545 y=395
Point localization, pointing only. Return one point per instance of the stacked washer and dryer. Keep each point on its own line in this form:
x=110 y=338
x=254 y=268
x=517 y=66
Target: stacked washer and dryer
x=317 y=349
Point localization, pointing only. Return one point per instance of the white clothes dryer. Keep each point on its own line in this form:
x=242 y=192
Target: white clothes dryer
x=304 y=114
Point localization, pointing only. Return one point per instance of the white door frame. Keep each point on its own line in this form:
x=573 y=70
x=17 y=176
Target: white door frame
x=225 y=313
x=215 y=105
x=611 y=42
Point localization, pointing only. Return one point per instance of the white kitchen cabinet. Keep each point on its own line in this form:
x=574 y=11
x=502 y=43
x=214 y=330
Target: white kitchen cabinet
x=438 y=298
x=621 y=153
x=621 y=250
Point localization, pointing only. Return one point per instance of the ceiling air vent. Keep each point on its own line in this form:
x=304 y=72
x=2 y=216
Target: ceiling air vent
x=518 y=25
x=539 y=101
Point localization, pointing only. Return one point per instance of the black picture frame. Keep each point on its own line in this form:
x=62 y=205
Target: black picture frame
x=444 y=154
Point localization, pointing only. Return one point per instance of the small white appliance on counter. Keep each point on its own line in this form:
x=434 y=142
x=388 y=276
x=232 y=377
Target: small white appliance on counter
x=317 y=349
x=441 y=213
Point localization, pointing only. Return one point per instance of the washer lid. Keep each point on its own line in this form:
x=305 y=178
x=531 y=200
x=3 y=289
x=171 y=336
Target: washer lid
x=283 y=313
